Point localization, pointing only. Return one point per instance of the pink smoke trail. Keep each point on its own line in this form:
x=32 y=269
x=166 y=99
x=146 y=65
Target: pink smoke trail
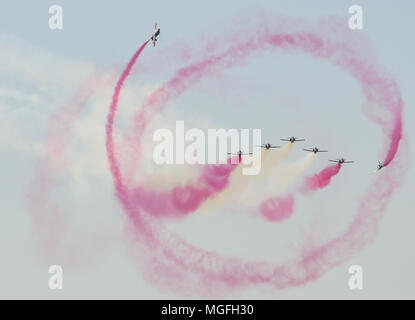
x=181 y=200
x=321 y=179
x=48 y=217
x=278 y=209
x=215 y=178
x=281 y=208
x=175 y=259
x=395 y=136
x=115 y=170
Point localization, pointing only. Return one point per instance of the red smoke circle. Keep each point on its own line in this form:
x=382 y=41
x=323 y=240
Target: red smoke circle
x=183 y=267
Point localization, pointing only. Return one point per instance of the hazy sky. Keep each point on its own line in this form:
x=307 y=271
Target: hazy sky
x=282 y=94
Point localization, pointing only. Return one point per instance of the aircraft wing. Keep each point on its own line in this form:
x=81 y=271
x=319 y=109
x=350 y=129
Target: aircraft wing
x=309 y=150
x=273 y=147
x=334 y=161
x=323 y=151
x=349 y=162
x=285 y=139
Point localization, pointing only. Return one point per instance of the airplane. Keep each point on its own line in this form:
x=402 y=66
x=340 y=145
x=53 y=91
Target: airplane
x=268 y=146
x=341 y=161
x=315 y=150
x=155 y=34
x=380 y=165
x=239 y=154
x=292 y=139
